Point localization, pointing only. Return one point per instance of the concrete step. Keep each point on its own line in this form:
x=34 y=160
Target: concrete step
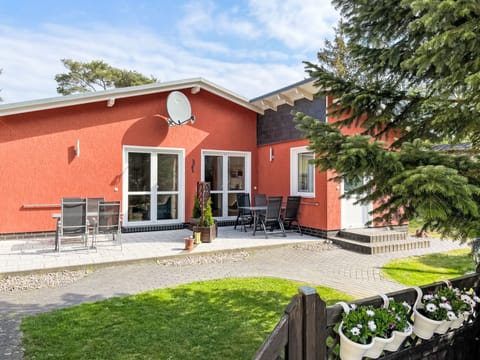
x=380 y=247
x=373 y=235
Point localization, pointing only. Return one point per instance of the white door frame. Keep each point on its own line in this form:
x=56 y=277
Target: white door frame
x=153 y=151
x=354 y=215
x=248 y=174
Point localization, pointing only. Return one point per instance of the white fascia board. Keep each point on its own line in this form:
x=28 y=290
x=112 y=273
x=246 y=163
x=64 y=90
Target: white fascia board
x=79 y=99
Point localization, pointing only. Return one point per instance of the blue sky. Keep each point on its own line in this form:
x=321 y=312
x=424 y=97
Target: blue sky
x=250 y=47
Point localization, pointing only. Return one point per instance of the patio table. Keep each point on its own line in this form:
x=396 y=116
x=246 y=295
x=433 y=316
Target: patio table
x=255 y=210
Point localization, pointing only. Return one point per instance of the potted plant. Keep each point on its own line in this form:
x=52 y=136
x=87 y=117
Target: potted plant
x=461 y=303
x=206 y=225
x=401 y=327
x=381 y=324
x=189 y=240
x=196 y=213
x=356 y=333
x=432 y=312
x=366 y=331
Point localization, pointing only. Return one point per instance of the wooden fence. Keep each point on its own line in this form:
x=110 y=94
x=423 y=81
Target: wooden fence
x=308 y=329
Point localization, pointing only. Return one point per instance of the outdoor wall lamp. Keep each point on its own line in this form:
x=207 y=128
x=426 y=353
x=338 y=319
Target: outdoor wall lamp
x=271 y=154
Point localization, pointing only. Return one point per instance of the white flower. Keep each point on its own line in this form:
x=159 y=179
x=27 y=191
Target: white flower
x=355 y=331
x=430 y=307
x=353 y=307
x=427 y=297
x=406 y=305
x=443 y=298
x=445 y=306
x=451 y=315
x=476 y=298
x=359 y=326
x=370 y=313
x=372 y=326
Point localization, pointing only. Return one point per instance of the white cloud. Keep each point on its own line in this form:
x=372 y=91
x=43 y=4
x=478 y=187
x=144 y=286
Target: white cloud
x=30 y=60
x=251 y=49
x=202 y=19
x=299 y=24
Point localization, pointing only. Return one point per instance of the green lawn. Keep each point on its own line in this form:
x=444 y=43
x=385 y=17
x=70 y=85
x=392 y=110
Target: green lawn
x=420 y=270
x=416 y=224
x=220 y=319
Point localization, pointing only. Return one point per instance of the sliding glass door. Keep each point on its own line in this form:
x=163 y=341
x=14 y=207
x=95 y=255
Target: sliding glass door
x=228 y=174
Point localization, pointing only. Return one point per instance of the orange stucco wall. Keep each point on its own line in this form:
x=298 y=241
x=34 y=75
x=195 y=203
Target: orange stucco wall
x=320 y=212
x=38 y=164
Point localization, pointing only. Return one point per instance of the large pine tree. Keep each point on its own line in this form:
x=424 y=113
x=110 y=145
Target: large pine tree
x=414 y=80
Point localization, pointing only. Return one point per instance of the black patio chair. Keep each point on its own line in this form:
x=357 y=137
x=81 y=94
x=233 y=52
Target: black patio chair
x=244 y=216
x=260 y=199
x=271 y=218
x=291 y=213
x=108 y=223
x=73 y=222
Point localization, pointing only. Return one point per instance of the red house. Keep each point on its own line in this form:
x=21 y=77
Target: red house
x=118 y=144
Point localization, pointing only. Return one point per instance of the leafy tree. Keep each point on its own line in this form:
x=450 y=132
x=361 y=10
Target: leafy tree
x=96 y=75
x=415 y=83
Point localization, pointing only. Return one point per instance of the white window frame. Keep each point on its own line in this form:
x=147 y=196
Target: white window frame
x=181 y=183
x=294 y=153
x=225 y=154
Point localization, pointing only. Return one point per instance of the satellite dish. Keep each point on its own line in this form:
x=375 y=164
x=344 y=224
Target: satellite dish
x=178 y=109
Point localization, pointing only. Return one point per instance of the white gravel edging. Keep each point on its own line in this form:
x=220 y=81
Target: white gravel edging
x=39 y=280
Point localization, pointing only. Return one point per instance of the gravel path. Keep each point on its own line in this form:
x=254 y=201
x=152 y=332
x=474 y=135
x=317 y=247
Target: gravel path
x=320 y=263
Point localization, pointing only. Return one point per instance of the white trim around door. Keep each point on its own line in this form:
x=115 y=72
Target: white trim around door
x=229 y=173
x=153 y=185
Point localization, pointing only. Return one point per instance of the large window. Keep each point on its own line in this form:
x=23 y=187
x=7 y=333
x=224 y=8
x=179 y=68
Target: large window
x=302 y=172
x=151 y=189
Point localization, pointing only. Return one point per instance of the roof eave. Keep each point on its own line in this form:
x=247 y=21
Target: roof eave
x=304 y=89
x=119 y=93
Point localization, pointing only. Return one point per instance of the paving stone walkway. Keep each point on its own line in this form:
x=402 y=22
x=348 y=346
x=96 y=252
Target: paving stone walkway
x=312 y=262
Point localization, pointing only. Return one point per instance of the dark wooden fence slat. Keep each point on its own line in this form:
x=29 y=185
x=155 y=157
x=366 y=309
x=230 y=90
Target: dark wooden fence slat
x=294 y=348
x=314 y=337
x=275 y=342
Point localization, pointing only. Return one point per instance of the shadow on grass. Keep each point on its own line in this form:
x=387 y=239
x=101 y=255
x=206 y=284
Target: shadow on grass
x=185 y=322
x=417 y=271
x=459 y=262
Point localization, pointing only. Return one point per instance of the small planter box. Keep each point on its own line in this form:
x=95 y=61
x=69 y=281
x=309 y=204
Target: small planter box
x=208 y=233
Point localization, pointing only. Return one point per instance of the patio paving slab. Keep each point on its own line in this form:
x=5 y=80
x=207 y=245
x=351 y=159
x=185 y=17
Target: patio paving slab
x=27 y=255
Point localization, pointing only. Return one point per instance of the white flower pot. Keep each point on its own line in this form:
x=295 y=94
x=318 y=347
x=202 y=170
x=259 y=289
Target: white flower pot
x=458 y=322
x=424 y=327
x=443 y=327
x=350 y=350
x=398 y=338
x=377 y=347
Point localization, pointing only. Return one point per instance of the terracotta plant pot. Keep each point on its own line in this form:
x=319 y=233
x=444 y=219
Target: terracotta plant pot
x=189 y=243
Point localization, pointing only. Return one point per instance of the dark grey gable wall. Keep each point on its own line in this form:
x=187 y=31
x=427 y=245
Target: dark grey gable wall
x=278 y=126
